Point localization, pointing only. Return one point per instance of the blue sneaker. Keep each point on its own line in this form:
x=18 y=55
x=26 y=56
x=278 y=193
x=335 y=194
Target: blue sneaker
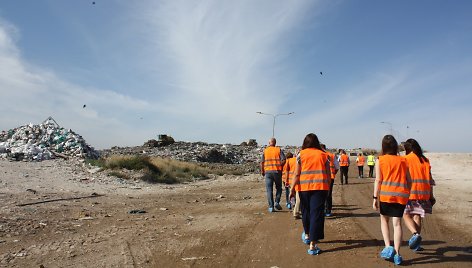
x=314 y=251
x=271 y=210
x=278 y=206
x=304 y=240
x=387 y=253
x=289 y=206
x=414 y=241
x=328 y=214
x=397 y=259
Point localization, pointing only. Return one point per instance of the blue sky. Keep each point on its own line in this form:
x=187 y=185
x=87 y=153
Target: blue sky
x=200 y=70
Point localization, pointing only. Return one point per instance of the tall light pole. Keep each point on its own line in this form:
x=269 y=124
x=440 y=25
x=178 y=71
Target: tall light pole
x=390 y=124
x=274 y=116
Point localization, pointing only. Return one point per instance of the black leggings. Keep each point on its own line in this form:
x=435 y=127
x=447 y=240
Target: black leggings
x=343 y=173
x=371 y=171
x=329 y=199
x=361 y=171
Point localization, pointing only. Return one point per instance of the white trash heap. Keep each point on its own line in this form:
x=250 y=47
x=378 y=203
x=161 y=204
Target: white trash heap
x=43 y=142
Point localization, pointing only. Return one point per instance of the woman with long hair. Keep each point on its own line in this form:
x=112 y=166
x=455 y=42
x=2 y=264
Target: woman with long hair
x=421 y=199
x=312 y=181
x=391 y=192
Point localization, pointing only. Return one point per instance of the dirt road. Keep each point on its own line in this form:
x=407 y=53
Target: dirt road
x=222 y=222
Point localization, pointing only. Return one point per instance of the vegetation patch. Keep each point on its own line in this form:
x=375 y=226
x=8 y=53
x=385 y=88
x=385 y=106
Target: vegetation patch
x=153 y=170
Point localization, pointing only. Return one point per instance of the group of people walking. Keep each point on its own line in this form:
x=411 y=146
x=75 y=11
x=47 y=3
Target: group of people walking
x=402 y=188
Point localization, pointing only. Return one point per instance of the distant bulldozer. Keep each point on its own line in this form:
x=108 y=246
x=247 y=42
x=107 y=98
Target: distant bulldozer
x=163 y=140
x=251 y=142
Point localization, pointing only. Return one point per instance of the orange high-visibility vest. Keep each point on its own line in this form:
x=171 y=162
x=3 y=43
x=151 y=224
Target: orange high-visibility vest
x=420 y=177
x=284 y=170
x=313 y=175
x=332 y=167
x=394 y=186
x=272 y=159
x=360 y=161
x=344 y=160
x=291 y=165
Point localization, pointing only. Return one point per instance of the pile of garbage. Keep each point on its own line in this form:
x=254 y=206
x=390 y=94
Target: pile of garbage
x=42 y=142
x=195 y=152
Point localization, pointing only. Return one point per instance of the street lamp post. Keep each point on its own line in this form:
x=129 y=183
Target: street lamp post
x=274 y=116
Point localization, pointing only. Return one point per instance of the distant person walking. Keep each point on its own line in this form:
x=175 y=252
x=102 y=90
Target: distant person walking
x=333 y=168
x=360 y=160
x=287 y=177
x=273 y=159
x=344 y=165
x=421 y=199
x=371 y=164
x=392 y=189
x=312 y=179
x=290 y=167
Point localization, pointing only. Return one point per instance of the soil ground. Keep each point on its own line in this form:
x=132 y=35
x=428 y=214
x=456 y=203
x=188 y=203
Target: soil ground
x=221 y=222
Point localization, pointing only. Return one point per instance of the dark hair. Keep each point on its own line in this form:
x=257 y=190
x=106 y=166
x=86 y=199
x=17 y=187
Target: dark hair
x=289 y=155
x=389 y=145
x=411 y=145
x=311 y=141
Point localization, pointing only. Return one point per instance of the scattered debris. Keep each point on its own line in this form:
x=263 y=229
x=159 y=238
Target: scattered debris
x=137 y=211
x=60 y=199
x=163 y=209
x=194 y=258
x=32 y=191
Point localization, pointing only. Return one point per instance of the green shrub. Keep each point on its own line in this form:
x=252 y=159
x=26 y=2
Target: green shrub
x=96 y=162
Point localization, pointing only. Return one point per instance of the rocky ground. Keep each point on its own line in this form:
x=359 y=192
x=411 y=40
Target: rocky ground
x=61 y=214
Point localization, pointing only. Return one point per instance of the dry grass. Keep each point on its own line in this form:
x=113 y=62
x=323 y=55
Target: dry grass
x=154 y=170
x=179 y=169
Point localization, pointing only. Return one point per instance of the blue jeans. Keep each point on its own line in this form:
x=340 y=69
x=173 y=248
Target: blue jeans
x=313 y=213
x=270 y=179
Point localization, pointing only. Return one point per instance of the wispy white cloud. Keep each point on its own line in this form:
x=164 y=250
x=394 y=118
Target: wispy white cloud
x=32 y=93
x=208 y=66
x=225 y=58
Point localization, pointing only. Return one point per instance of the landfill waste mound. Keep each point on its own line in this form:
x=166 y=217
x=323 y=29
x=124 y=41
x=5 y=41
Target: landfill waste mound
x=245 y=157
x=42 y=142
x=194 y=152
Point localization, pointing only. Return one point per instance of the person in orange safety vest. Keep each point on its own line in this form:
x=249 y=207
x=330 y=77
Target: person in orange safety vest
x=287 y=176
x=391 y=192
x=334 y=167
x=272 y=162
x=421 y=198
x=344 y=166
x=360 y=164
x=312 y=181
